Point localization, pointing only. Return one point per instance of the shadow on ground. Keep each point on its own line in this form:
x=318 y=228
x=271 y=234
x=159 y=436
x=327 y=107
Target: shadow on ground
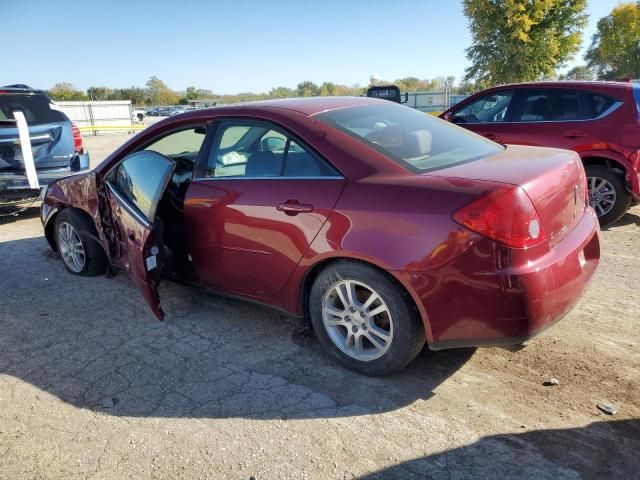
x=92 y=342
x=599 y=450
x=627 y=219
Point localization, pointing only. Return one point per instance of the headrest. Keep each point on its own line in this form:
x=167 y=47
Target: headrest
x=418 y=144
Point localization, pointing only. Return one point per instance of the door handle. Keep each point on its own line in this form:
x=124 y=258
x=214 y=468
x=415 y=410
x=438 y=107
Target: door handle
x=575 y=134
x=294 y=207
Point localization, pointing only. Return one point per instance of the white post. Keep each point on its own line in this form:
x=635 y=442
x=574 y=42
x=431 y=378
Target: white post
x=27 y=153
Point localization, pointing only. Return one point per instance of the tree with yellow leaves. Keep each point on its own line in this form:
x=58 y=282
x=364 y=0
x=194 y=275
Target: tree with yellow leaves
x=521 y=40
x=615 y=47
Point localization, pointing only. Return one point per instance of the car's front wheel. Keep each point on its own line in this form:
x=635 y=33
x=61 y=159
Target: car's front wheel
x=363 y=319
x=76 y=239
x=607 y=194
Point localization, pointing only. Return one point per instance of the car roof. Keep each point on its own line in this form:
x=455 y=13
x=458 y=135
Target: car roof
x=567 y=84
x=20 y=88
x=307 y=105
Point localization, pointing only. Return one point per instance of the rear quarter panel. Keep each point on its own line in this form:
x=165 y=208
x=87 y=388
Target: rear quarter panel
x=400 y=224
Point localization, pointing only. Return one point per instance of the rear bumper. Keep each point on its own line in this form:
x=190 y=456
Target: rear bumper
x=15 y=185
x=508 y=306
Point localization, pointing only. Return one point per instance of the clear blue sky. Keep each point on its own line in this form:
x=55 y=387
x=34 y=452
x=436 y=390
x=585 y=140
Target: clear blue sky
x=235 y=46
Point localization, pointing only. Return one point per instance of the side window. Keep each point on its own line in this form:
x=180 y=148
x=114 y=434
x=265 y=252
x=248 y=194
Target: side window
x=184 y=143
x=490 y=108
x=538 y=106
x=562 y=105
x=567 y=107
x=141 y=179
x=257 y=151
x=596 y=104
x=301 y=163
x=246 y=151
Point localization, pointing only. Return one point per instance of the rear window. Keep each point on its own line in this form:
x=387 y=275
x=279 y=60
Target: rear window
x=416 y=140
x=36 y=108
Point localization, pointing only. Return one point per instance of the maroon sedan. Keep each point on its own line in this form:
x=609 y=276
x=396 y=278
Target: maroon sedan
x=386 y=227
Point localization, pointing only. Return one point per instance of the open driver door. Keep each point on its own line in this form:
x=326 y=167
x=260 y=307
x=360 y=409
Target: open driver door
x=134 y=189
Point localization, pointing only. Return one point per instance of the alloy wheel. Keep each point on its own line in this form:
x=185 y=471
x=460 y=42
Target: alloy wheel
x=357 y=320
x=71 y=248
x=602 y=195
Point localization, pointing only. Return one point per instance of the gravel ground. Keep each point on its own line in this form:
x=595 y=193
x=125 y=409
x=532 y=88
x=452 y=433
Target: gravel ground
x=93 y=387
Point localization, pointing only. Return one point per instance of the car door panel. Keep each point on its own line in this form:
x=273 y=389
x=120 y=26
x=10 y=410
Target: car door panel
x=248 y=235
x=134 y=189
x=140 y=250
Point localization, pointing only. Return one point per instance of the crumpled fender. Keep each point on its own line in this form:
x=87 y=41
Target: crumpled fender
x=80 y=192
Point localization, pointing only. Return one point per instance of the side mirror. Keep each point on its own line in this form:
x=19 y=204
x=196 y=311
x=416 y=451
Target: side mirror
x=200 y=130
x=448 y=116
x=270 y=144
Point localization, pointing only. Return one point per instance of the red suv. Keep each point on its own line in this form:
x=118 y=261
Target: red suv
x=598 y=120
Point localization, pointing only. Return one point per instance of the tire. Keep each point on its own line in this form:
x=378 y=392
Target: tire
x=74 y=225
x=617 y=186
x=400 y=322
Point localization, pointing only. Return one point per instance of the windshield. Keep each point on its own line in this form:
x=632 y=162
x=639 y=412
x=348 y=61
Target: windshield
x=414 y=139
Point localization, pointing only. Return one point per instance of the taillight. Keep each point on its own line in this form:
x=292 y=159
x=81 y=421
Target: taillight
x=505 y=215
x=78 y=144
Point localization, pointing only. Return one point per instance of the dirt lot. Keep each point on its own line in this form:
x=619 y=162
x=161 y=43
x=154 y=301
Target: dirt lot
x=93 y=387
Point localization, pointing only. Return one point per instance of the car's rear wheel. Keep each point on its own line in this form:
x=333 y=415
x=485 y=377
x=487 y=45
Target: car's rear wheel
x=608 y=195
x=76 y=239
x=363 y=319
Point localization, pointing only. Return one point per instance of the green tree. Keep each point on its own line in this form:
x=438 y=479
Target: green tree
x=158 y=93
x=581 y=72
x=66 y=92
x=99 y=93
x=281 y=92
x=191 y=93
x=615 y=47
x=408 y=84
x=327 y=89
x=307 y=89
x=521 y=40
x=137 y=95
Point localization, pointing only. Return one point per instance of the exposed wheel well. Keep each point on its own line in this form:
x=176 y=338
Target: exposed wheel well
x=605 y=162
x=314 y=271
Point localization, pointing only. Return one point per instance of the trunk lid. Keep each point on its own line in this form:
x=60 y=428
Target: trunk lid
x=553 y=179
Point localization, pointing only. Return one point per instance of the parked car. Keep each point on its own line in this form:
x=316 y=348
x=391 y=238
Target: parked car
x=382 y=225
x=598 y=120
x=177 y=111
x=56 y=143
